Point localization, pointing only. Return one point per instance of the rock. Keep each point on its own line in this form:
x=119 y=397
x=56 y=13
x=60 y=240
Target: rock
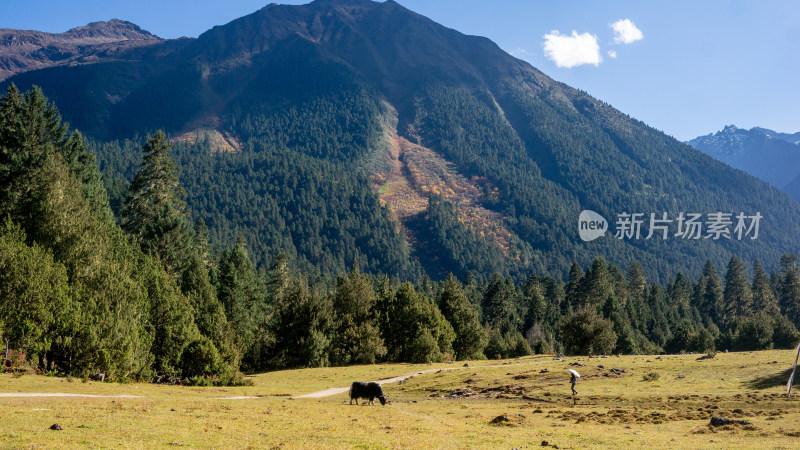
x=545 y=444
x=466 y=364
x=544 y=371
x=722 y=421
x=521 y=416
x=461 y=392
x=600 y=366
x=500 y=420
x=56 y=427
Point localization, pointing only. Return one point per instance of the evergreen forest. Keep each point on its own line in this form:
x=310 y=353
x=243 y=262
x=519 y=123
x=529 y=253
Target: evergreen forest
x=116 y=272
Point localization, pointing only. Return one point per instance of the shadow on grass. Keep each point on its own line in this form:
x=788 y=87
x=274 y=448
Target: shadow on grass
x=770 y=381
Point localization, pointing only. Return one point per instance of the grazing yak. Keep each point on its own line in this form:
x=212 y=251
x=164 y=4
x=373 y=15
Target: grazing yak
x=371 y=390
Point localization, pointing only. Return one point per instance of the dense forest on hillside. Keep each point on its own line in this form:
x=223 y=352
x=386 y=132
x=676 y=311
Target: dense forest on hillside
x=309 y=126
x=140 y=293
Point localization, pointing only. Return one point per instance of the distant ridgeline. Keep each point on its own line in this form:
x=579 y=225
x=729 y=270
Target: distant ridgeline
x=141 y=295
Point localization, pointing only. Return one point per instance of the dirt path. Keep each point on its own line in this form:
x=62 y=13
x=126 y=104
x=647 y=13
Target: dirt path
x=61 y=394
x=399 y=378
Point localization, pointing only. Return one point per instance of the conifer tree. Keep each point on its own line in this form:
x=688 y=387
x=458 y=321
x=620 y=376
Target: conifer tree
x=499 y=304
x=418 y=332
x=299 y=327
x=470 y=337
x=31 y=131
x=711 y=299
x=356 y=336
x=244 y=296
x=585 y=332
x=790 y=291
x=572 y=290
x=596 y=284
x=737 y=296
x=763 y=292
x=155 y=211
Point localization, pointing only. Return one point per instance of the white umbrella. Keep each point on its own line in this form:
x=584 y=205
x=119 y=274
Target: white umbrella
x=577 y=375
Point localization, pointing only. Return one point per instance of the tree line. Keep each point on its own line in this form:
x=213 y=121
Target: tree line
x=143 y=295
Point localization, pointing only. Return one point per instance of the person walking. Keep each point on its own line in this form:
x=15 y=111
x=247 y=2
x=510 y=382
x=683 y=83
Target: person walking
x=573 y=379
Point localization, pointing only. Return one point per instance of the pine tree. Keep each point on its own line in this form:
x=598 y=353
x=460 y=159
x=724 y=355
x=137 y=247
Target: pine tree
x=587 y=333
x=37 y=305
x=470 y=336
x=299 y=327
x=499 y=304
x=356 y=336
x=680 y=296
x=572 y=291
x=737 y=296
x=31 y=131
x=710 y=295
x=596 y=284
x=763 y=293
x=534 y=302
x=244 y=296
x=790 y=292
x=155 y=211
x=416 y=323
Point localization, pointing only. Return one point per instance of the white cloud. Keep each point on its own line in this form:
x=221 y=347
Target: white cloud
x=612 y=53
x=571 y=51
x=625 y=32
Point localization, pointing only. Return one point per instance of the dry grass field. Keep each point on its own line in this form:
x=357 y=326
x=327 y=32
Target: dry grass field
x=628 y=401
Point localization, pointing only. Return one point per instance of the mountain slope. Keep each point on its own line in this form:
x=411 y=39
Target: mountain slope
x=330 y=85
x=23 y=50
x=771 y=156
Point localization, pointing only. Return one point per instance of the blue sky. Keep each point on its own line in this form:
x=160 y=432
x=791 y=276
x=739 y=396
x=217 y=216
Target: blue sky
x=698 y=65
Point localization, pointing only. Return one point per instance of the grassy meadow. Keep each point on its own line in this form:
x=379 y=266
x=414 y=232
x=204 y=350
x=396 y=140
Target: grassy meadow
x=649 y=401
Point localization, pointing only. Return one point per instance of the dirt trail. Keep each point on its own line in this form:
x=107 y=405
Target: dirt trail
x=399 y=378
x=61 y=394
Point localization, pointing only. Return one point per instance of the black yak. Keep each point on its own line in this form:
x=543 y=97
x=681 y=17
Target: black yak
x=371 y=390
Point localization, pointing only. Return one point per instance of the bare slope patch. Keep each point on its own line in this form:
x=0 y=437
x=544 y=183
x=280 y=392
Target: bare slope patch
x=406 y=175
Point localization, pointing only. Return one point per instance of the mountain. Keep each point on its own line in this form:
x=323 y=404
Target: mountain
x=350 y=130
x=23 y=50
x=771 y=156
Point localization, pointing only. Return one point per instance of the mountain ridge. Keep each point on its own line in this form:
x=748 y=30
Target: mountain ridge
x=311 y=84
x=23 y=50
x=769 y=155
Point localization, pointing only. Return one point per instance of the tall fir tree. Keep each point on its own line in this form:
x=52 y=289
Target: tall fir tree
x=356 y=336
x=155 y=211
x=470 y=337
x=763 y=292
x=789 y=290
x=710 y=297
x=738 y=297
x=244 y=296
